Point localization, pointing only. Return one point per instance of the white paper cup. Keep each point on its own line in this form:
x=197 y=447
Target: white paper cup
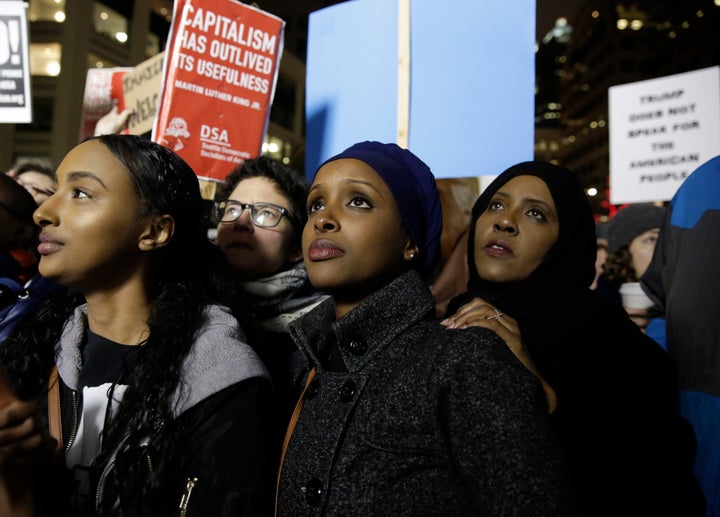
x=634 y=297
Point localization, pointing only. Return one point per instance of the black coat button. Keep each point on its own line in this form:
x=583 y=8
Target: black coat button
x=313 y=492
x=357 y=346
x=347 y=392
x=312 y=389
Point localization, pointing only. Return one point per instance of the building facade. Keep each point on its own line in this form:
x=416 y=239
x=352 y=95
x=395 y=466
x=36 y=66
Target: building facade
x=606 y=44
x=612 y=43
x=68 y=37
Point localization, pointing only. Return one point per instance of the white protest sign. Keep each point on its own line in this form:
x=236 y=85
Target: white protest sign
x=660 y=131
x=142 y=86
x=15 y=98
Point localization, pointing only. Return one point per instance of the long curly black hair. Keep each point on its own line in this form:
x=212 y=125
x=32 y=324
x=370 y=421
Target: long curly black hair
x=189 y=274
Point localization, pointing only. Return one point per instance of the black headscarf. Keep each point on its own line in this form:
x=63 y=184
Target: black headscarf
x=570 y=263
x=566 y=271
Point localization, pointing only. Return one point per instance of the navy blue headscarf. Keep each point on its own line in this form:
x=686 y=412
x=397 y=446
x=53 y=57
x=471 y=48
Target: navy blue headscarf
x=413 y=186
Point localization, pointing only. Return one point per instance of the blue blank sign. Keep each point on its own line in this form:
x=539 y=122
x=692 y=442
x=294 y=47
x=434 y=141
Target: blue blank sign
x=472 y=78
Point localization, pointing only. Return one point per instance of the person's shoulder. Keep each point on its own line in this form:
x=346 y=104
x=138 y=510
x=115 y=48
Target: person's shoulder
x=221 y=339
x=475 y=359
x=477 y=342
x=216 y=314
x=217 y=320
x=219 y=357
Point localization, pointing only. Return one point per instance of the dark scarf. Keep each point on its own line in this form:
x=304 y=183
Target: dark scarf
x=278 y=299
x=555 y=299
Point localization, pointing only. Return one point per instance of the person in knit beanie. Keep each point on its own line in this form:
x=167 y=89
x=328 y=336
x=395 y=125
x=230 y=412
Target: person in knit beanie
x=631 y=236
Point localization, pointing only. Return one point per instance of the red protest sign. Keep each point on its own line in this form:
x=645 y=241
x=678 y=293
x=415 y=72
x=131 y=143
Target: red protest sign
x=103 y=88
x=219 y=79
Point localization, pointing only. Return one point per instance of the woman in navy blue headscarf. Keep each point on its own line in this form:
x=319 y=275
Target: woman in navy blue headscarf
x=399 y=415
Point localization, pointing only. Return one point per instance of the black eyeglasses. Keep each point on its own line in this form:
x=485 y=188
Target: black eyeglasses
x=265 y=215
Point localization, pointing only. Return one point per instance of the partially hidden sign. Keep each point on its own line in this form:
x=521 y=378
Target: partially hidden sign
x=103 y=89
x=15 y=98
x=219 y=77
x=141 y=88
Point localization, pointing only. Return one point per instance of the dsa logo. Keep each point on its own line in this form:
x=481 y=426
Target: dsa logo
x=174 y=133
x=215 y=134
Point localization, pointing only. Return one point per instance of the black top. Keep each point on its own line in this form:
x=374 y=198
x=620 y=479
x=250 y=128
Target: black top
x=106 y=361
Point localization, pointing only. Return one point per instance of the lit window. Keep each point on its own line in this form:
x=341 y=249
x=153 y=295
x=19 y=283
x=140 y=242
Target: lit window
x=46 y=11
x=45 y=59
x=110 y=23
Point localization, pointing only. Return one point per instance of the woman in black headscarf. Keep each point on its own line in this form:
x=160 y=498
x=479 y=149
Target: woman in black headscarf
x=531 y=258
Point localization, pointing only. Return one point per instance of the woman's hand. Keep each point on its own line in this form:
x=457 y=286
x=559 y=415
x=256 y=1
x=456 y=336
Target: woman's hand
x=479 y=313
x=24 y=438
x=24 y=441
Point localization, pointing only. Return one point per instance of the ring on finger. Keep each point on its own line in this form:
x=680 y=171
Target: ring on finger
x=495 y=316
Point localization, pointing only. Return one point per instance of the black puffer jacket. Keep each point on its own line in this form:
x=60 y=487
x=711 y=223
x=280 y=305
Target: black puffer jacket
x=222 y=463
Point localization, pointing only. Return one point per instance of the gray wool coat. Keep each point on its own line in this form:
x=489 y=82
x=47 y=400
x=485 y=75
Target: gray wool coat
x=425 y=421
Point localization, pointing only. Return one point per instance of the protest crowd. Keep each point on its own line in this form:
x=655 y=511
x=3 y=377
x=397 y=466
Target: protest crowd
x=302 y=346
